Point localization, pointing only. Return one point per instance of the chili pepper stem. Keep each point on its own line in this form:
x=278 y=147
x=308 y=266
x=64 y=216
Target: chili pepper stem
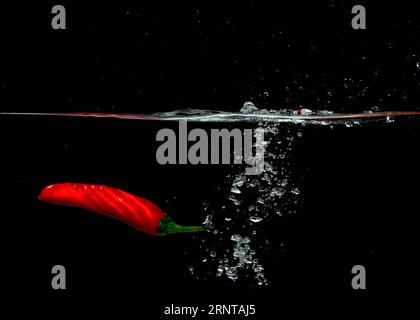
x=168 y=226
x=172 y=227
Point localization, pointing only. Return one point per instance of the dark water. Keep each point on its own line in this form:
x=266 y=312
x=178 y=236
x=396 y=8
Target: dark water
x=339 y=189
x=331 y=196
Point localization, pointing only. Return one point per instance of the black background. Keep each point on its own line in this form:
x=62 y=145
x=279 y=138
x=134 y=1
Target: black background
x=359 y=184
x=157 y=56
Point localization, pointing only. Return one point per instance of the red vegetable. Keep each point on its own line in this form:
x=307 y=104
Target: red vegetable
x=137 y=212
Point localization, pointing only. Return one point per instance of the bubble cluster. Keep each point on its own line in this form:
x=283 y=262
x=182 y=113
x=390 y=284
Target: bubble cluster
x=243 y=258
x=247 y=204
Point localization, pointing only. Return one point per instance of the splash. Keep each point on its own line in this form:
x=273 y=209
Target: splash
x=246 y=205
x=248 y=113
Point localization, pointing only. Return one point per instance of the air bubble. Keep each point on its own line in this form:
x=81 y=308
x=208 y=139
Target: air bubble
x=295 y=191
x=255 y=219
x=235 y=190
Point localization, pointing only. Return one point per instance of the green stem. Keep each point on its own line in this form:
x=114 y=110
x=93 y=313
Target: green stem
x=168 y=226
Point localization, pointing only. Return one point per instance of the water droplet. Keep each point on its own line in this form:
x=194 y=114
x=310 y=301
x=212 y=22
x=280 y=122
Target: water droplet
x=246 y=240
x=277 y=192
x=235 y=201
x=295 y=191
x=235 y=190
x=238 y=157
x=235 y=237
x=213 y=254
x=248 y=107
x=231 y=273
x=208 y=223
x=255 y=219
x=418 y=65
x=268 y=167
x=239 y=181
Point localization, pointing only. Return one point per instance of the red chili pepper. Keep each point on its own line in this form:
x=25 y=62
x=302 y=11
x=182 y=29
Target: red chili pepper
x=137 y=212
